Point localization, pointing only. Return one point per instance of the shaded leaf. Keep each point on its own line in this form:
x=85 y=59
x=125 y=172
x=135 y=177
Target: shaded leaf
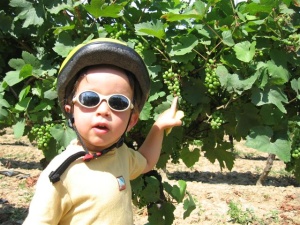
x=190 y=157
x=260 y=139
x=270 y=95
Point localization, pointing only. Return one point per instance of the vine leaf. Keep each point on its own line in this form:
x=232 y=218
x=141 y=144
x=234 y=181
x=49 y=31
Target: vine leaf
x=270 y=95
x=260 y=138
x=185 y=45
x=190 y=157
x=189 y=205
x=260 y=7
x=62 y=135
x=151 y=191
x=245 y=50
x=295 y=84
x=176 y=192
x=246 y=119
x=227 y=38
x=232 y=82
x=23 y=104
x=98 y=8
x=162 y=214
x=16 y=64
x=19 y=128
x=196 y=12
x=218 y=151
x=278 y=74
x=146 y=112
x=30 y=14
x=155 y=29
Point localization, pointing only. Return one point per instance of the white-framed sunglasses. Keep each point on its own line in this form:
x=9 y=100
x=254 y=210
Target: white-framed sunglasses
x=92 y=99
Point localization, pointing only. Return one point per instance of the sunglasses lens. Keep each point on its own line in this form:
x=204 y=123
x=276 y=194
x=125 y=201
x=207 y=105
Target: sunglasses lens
x=118 y=102
x=88 y=99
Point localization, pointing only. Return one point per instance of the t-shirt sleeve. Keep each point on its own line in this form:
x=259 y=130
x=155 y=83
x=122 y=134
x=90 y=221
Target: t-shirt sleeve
x=137 y=164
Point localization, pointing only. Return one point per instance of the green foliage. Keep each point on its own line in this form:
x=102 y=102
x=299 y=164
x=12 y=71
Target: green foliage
x=294 y=164
x=239 y=62
x=240 y=216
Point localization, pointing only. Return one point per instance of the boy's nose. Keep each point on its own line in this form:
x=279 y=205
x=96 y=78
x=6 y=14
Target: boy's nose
x=103 y=108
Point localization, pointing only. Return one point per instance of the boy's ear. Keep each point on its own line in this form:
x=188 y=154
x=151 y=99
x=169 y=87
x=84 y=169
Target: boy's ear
x=133 y=120
x=68 y=108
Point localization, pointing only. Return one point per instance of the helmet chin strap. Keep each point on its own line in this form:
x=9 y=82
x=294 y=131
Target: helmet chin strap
x=89 y=156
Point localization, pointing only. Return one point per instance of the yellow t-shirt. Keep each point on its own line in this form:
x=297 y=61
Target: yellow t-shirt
x=94 y=192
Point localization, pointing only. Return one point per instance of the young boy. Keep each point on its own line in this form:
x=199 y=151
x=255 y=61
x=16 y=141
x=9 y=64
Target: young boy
x=102 y=87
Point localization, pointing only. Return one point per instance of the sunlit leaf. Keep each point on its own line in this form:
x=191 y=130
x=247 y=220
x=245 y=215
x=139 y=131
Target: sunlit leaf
x=245 y=50
x=153 y=28
x=98 y=8
x=19 y=128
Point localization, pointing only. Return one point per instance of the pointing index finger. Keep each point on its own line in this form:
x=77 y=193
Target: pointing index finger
x=174 y=105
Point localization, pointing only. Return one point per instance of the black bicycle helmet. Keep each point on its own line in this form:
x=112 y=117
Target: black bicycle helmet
x=102 y=51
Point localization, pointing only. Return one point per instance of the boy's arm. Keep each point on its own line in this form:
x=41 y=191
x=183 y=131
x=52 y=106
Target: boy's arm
x=151 y=147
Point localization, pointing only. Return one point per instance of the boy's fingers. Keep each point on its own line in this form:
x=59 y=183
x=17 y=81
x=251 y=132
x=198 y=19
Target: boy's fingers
x=179 y=115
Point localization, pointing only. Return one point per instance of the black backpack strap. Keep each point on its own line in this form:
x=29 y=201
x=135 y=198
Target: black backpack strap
x=54 y=176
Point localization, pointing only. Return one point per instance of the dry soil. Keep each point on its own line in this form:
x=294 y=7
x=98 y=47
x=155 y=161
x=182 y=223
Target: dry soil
x=214 y=191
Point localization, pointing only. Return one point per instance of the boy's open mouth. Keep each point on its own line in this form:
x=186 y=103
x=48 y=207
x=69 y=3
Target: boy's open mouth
x=101 y=127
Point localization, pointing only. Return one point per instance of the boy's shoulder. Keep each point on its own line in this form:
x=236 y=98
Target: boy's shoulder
x=71 y=149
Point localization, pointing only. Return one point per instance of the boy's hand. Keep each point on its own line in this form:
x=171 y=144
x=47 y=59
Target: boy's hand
x=170 y=118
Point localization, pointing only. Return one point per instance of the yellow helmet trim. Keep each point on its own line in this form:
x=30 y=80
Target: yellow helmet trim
x=74 y=50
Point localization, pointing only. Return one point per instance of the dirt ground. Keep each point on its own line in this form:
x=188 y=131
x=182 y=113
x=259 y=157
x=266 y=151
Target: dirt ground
x=215 y=192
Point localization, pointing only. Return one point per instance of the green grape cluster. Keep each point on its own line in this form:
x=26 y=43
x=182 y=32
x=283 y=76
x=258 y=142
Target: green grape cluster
x=183 y=71
x=216 y=120
x=296 y=153
x=295 y=147
x=172 y=80
x=140 y=47
x=156 y=44
x=292 y=40
x=188 y=111
x=211 y=79
x=116 y=32
x=175 y=156
x=42 y=135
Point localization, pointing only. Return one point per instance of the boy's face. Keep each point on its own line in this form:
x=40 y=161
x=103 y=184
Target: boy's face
x=100 y=127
